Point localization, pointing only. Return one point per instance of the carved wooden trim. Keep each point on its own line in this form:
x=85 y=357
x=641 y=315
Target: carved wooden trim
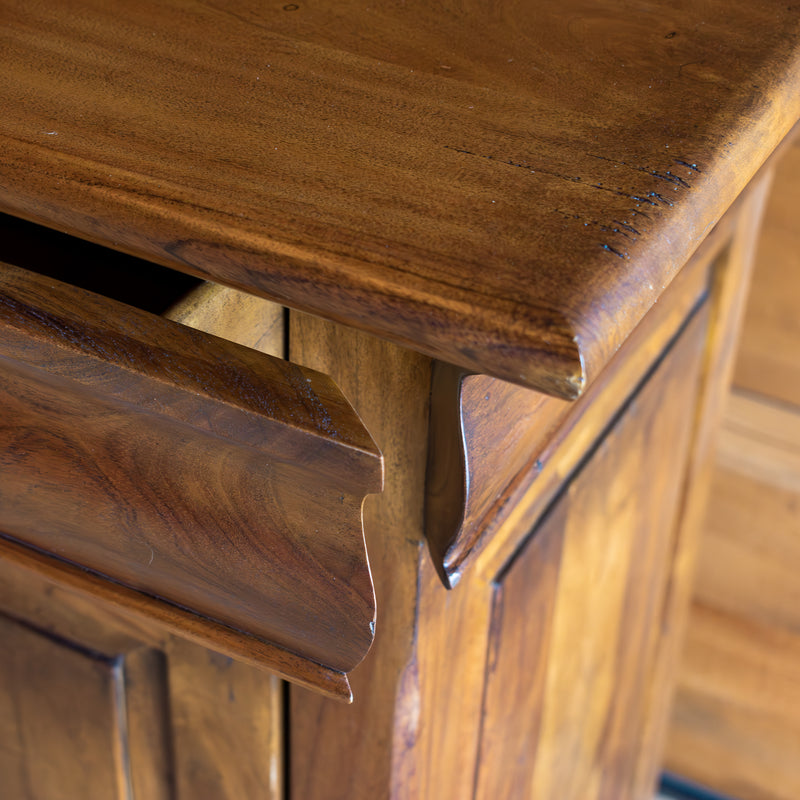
x=222 y=488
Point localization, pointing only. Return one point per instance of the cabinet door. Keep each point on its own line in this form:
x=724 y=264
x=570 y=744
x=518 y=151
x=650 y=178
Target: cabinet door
x=98 y=706
x=579 y=616
x=66 y=730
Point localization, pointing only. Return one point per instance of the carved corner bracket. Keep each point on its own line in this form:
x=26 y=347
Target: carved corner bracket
x=484 y=436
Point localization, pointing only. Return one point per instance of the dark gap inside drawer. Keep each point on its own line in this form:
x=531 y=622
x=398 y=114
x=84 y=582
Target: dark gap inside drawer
x=118 y=276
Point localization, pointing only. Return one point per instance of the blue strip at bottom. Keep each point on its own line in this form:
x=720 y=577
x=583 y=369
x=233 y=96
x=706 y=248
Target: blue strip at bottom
x=677 y=788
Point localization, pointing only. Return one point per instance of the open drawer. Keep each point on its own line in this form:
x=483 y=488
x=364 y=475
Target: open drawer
x=211 y=488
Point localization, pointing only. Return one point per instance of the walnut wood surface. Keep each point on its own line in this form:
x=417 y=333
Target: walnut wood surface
x=189 y=469
x=506 y=187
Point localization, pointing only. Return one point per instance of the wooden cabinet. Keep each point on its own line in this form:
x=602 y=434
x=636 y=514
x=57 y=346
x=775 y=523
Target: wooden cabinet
x=499 y=277
x=543 y=672
x=540 y=673
x=547 y=669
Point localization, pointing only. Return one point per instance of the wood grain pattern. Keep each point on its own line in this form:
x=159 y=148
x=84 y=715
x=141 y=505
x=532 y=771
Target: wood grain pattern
x=735 y=726
x=178 y=621
x=473 y=415
x=91 y=266
x=199 y=724
x=497 y=449
x=203 y=473
x=448 y=755
x=505 y=187
x=412 y=730
x=514 y=713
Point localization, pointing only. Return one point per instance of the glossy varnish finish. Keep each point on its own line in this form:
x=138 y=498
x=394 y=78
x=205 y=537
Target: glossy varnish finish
x=507 y=187
x=184 y=477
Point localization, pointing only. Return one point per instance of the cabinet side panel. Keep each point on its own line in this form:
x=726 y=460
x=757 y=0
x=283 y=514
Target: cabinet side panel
x=570 y=685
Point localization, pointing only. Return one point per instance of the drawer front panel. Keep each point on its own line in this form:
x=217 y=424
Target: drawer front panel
x=217 y=479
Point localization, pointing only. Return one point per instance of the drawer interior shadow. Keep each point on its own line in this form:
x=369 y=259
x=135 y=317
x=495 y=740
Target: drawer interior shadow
x=121 y=277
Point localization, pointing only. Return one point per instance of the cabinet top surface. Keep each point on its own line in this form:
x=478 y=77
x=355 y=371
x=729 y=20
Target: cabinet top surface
x=508 y=186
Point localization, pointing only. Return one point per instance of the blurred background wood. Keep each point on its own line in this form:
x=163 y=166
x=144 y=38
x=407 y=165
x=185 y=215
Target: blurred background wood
x=769 y=347
x=736 y=721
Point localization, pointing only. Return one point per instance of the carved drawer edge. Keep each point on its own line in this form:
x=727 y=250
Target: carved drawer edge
x=213 y=489
x=181 y=622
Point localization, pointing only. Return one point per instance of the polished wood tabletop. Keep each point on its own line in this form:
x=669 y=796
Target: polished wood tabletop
x=506 y=186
